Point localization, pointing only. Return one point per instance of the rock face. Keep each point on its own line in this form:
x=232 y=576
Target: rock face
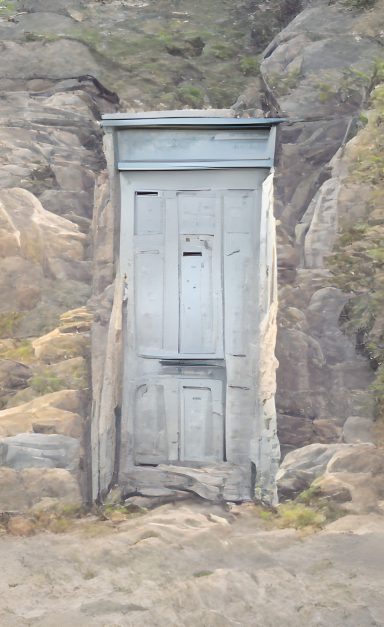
x=43 y=259
x=224 y=565
x=21 y=489
x=49 y=157
x=60 y=69
x=320 y=70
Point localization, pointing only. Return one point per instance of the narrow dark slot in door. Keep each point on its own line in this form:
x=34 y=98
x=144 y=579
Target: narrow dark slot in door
x=191 y=254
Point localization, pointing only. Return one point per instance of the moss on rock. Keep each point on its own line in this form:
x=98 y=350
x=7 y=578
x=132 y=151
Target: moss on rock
x=358 y=261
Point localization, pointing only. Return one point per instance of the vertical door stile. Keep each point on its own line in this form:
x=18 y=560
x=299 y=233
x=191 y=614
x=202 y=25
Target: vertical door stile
x=173 y=413
x=217 y=278
x=171 y=273
x=238 y=268
x=149 y=272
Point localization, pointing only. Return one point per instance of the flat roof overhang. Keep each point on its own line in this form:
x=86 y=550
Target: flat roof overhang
x=184 y=119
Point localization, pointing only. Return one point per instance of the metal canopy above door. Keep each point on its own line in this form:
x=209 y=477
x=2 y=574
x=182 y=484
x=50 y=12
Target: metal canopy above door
x=189 y=143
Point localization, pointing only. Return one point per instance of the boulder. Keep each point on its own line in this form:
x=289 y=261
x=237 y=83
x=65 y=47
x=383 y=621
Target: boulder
x=20 y=490
x=358 y=458
x=13 y=376
x=348 y=474
x=76 y=321
x=302 y=466
x=293 y=431
x=57 y=345
x=58 y=412
x=326 y=431
x=358 y=429
x=35 y=450
x=20 y=526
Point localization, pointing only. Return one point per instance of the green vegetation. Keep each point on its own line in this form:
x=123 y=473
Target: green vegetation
x=90 y=36
x=299 y=516
x=268 y=18
x=162 y=57
x=57 y=518
x=359 y=4
x=326 y=92
x=307 y=496
x=223 y=50
x=43 y=37
x=119 y=512
x=7 y=8
x=9 y=322
x=22 y=351
x=358 y=260
x=79 y=377
x=203 y=573
x=300 y=513
x=250 y=66
x=310 y=511
x=190 y=96
x=347 y=89
x=45 y=382
x=283 y=83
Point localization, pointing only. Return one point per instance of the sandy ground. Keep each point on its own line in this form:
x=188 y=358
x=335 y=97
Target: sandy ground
x=193 y=564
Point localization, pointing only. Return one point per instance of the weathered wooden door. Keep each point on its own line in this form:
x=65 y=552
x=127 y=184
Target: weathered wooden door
x=194 y=265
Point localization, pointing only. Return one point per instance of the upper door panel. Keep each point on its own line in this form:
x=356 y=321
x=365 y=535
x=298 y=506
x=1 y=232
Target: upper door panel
x=178 y=276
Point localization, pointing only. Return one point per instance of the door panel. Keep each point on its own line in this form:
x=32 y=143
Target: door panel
x=178 y=274
x=179 y=419
x=149 y=292
x=150 y=430
x=149 y=213
x=197 y=423
x=202 y=422
x=197 y=213
x=196 y=296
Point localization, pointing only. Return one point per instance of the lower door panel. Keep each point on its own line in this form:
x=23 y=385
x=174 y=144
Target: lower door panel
x=179 y=420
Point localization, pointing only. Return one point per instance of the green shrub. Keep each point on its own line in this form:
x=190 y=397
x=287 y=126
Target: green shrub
x=250 y=66
x=22 y=351
x=45 y=382
x=299 y=516
x=8 y=323
x=190 y=96
x=203 y=573
x=223 y=51
x=7 y=8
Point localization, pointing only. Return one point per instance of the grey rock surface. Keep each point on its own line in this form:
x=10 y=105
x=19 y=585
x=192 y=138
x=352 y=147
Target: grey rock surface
x=38 y=450
x=22 y=489
x=358 y=429
x=319 y=70
x=193 y=563
x=346 y=473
